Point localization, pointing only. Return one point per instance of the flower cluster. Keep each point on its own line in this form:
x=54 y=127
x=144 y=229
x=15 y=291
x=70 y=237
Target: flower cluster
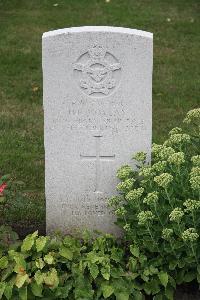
x=191 y=205
x=192 y=116
x=134 y=195
x=155 y=150
x=166 y=152
x=175 y=130
x=177 y=158
x=126 y=185
x=120 y=211
x=176 y=214
x=195 y=172
x=127 y=227
x=146 y=171
x=196 y=160
x=159 y=166
x=163 y=180
x=195 y=183
x=124 y=172
x=190 y=235
x=114 y=201
x=178 y=139
x=167 y=233
x=151 y=198
x=140 y=156
x=195 y=178
x=144 y=217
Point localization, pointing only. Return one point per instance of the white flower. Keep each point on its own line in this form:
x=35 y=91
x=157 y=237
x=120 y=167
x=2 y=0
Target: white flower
x=164 y=179
x=176 y=214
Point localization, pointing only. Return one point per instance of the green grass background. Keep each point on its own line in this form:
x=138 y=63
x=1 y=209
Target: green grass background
x=176 y=80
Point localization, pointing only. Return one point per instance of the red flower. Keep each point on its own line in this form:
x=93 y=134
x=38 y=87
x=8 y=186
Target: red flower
x=2 y=188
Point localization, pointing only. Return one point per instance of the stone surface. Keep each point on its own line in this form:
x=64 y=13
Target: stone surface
x=97 y=108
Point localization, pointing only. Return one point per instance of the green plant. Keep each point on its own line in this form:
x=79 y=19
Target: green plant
x=159 y=207
x=66 y=268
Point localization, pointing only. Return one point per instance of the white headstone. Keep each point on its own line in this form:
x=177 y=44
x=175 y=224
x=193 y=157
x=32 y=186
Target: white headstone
x=98 y=112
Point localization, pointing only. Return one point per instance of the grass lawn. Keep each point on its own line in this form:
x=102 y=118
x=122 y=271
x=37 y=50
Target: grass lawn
x=176 y=81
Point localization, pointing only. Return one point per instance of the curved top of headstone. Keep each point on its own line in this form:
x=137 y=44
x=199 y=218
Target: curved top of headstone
x=112 y=29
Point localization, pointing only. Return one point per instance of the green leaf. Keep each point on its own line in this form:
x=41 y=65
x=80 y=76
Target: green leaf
x=135 y=251
x=173 y=264
x=3 y=262
x=107 y=290
x=23 y=293
x=36 y=289
x=158 y=297
x=163 y=276
x=66 y=252
x=39 y=277
x=189 y=276
x=51 y=279
x=8 y=291
x=137 y=295
x=29 y=242
x=105 y=271
x=49 y=259
x=132 y=264
x=20 y=280
x=152 y=287
x=41 y=242
x=20 y=266
x=2 y=288
x=169 y=293
x=94 y=270
x=39 y=263
x=122 y=296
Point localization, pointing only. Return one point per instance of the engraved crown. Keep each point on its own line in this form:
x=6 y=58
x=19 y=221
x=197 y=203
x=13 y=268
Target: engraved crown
x=97 y=52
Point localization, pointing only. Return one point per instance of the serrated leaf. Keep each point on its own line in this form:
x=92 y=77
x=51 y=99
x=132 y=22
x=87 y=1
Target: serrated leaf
x=94 y=270
x=107 y=290
x=66 y=253
x=41 y=242
x=8 y=291
x=29 y=241
x=20 y=266
x=49 y=259
x=132 y=264
x=169 y=293
x=122 y=296
x=135 y=251
x=23 y=293
x=36 y=289
x=39 y=277
x=3 y=262
x=105 y=271
x=2 y=288
x=20 y=280
x=163 y=276
x=39 y=263
x=51 y=279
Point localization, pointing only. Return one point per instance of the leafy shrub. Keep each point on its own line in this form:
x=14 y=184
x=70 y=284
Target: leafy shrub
x=66 y=268
x=159 y=207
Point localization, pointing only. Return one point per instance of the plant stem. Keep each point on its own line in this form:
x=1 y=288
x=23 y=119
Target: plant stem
x=168 y=197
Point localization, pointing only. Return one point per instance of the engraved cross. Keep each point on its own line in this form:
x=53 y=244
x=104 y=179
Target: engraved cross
x=98 y=158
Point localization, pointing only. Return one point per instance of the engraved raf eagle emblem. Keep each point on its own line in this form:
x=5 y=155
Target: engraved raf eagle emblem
x=97 y=70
